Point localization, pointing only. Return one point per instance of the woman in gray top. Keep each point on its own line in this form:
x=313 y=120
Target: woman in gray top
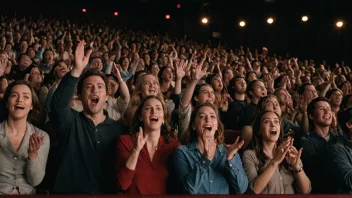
x=23 y=147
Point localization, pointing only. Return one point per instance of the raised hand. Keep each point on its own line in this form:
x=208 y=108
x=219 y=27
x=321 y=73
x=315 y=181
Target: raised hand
x=180 y=69
x=141 y=139
x=209 y=146
x=281 y=151
x=198 y=73
x=81 y=59
x=293 y=158
x=35 y=142
x=233 y=148
x=116 y=71
x=3 y=65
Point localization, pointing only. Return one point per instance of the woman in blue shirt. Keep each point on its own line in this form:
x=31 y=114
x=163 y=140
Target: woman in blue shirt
x=204 y=165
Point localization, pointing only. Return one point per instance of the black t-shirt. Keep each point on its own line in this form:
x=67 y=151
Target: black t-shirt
x=231 y=118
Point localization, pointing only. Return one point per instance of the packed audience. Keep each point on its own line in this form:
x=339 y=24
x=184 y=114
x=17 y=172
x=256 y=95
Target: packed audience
x=92 y=109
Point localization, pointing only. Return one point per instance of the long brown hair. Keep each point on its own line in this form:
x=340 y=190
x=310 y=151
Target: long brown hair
x=191 y=134
x=33 y=115
x=257 y=140
x=165 y=130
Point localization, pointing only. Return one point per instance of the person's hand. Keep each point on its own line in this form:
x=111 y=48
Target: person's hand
x=141 y=139
x=198 y=72
x=233 y=148
x=81 y=59
x=305 y=101
x=3 y=65
x=116 y=72
x=281 y=151
x=293 y=158
x=209 y=146
x=180 y=69
x=35 y=142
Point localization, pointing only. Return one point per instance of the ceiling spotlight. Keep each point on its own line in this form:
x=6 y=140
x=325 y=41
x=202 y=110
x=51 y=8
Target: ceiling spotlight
x=167 y=16
x=242 y=23
x=84 y=10
x=204 y=20
x=339 y=24
x=116 y=14
x=270 y=20
x=304 y=18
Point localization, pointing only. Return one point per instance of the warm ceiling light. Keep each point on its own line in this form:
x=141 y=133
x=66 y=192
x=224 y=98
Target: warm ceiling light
x=84 y=10
x=339 y=24
x=242 y=23
x=204 y=20
x=116 y=14
x=167 y=16
x=270 y=20
x=304 y=18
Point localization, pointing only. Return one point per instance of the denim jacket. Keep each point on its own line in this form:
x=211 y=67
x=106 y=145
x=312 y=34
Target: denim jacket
x=198 y=175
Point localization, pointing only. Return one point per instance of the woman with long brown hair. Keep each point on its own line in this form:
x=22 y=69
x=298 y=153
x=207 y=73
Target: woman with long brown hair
x=273 y=165
x=205 y=165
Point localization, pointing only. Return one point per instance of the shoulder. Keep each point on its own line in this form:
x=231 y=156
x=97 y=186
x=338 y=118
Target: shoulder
x=249 y=153
x=39 y=132
x=174 y=143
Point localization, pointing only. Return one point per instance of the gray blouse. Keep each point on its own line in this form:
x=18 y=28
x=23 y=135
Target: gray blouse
x=16 y=170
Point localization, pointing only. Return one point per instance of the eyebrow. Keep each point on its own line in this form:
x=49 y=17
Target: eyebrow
x=25 y=93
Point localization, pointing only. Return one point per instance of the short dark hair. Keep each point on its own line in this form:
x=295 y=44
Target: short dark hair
x=311 y=108
x=302 y=88
x=343 y=118
x=344 y=102
x=330 y=92
x=91 y=72
x=250 y=87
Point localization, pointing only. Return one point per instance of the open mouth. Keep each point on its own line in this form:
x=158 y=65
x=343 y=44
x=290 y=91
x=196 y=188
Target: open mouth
x=19 y=107
x=273 y=132
x=94 y=100
x=154 y=119
x=207 y=128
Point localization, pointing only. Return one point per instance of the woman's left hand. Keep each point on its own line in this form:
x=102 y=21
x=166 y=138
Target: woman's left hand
x=35 y=142
x=233 y=148
x=293 y=158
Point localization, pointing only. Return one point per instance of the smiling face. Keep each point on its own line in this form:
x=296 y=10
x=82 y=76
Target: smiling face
x=270 y=127
x=273 y=105
x=112 y=86
x=149 y=85
x=152 y=114
x=206 y=94
x=94 y=95
x=322 y=115
x=19 y=102
x=206 y=122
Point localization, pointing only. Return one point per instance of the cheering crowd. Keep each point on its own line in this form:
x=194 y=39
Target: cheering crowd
x=91 y=109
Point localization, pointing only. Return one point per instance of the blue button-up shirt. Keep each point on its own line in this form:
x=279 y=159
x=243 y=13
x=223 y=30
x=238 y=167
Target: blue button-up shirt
x=199 y=175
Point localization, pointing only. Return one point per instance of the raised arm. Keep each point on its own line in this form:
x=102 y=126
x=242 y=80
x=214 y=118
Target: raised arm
x=60 y=105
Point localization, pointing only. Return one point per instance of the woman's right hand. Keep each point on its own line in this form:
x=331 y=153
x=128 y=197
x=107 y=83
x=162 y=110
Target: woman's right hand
x=281 y=151
x=140 y=140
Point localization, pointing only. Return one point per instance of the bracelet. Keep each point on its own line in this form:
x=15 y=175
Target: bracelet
x=299 y=170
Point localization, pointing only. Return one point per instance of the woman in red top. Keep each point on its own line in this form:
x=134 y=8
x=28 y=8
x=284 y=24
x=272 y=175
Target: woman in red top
x=143 y=157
